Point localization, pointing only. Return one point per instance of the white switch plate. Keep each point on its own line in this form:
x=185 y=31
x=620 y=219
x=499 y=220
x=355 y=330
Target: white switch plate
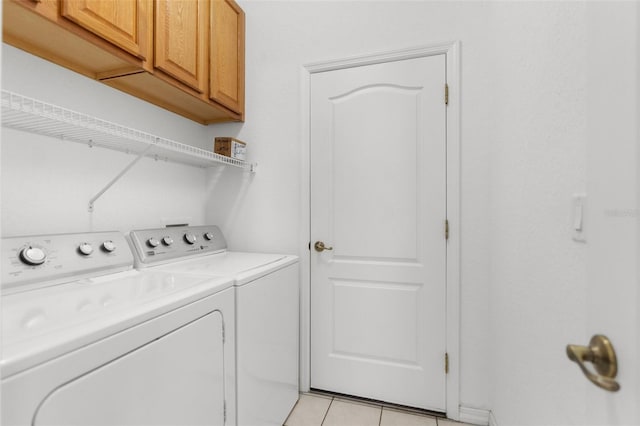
x=578 y=213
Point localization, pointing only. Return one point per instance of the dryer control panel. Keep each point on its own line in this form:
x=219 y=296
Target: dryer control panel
x=41 y=260
x=159 y=245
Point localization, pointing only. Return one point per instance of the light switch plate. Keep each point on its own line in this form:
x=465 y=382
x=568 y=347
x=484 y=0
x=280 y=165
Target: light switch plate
x=578 y=214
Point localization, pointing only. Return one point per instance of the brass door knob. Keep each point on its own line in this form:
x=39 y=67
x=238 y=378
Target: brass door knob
x=320 y=247
x=601 y=354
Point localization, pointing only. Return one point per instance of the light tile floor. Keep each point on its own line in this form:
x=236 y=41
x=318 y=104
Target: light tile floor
x=324 y=410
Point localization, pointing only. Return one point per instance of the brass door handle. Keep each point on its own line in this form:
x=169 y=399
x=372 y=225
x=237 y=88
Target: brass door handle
x=600 y=352
x=319 y=246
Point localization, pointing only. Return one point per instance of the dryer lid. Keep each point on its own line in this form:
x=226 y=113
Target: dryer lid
x=226 y=263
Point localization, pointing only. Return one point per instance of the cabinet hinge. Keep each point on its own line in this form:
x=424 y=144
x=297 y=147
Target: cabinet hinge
x=223 y=334
x=446 y=363
x=446 y=229
x=224 y=411
x=446 y=94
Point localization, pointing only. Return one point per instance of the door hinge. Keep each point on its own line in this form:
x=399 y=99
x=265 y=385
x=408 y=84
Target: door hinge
x=446 y=363
x=223 y=334
x=446 y=94
x=446 y=229
x=224 y=411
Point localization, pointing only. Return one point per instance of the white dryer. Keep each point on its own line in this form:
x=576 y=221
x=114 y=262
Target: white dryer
x=88 y=340
x=267 y=312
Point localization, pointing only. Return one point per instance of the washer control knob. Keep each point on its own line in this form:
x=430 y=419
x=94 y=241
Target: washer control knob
x=167 y=241
x=33 y=255
x=153 y=242
x=109 y=246
x=85 y=249
x=208 y=236
x=190 y=238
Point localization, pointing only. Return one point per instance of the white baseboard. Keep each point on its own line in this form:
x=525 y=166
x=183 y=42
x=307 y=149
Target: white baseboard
x=475 y=416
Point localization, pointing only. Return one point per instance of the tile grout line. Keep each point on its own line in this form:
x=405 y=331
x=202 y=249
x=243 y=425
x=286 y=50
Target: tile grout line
x=370 y=402
x=327 y=412
x=380 y=407
x=291 y=412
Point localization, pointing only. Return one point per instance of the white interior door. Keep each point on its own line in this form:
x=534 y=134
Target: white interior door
x=378 y=199
x=613 y=221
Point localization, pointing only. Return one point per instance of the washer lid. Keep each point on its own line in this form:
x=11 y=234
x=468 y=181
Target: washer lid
x=41 y=324
x=242 y=266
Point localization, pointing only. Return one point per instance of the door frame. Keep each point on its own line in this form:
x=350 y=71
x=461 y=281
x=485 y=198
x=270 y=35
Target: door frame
x=451 y=50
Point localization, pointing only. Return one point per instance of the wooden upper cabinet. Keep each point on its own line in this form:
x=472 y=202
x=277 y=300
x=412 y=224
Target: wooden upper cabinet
x=226 y=73
x=186 y=56
x=125 y=23
x=181 y=41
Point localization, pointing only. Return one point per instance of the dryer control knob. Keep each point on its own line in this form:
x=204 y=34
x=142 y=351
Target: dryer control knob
x=167 y=241
x=109 y=246
x=33 y=255
x=208 y=236
x=153 y=242
x=85 y=249
x=190 y=238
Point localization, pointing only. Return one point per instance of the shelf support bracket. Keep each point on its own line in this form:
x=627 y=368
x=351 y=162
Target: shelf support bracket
x=115 y=179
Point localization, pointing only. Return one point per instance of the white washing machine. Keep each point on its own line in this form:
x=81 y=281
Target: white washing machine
x=88 y=340
x=267 y=312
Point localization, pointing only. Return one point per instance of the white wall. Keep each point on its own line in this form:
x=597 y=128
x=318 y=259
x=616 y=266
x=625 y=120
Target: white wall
x=46 y=183
x=538 y=160
x=564 y=120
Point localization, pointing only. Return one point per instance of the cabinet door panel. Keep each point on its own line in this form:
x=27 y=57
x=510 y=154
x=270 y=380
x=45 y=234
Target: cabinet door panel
x=124 y=23
x=181 y=36
x=227 y=55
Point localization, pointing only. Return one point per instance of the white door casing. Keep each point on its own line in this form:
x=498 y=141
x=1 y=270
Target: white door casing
x=452 y=53
x=377 y=255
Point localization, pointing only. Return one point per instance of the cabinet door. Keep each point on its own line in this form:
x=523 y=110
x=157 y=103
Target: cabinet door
x=181 y=40
x=125 y=23
x=227 y=55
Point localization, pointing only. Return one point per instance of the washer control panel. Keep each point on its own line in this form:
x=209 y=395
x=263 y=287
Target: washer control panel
x=152 y=246
x=40 y=260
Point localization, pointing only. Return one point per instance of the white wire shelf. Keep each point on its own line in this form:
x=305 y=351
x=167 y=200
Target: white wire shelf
x=30 y=115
